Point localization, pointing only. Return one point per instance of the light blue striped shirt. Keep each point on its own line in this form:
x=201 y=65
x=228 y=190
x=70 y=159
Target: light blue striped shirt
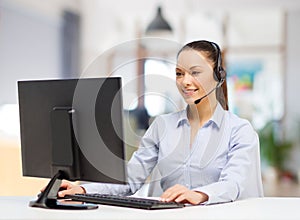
x=222 y=162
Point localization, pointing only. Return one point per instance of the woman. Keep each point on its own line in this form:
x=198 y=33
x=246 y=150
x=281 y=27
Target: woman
x=204 y=153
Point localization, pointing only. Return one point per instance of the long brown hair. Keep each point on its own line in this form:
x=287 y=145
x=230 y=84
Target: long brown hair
x=213 y=53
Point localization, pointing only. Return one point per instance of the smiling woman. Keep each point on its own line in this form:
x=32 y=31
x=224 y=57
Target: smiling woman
x=193 y=81
x=204 y=153
x=203 y=59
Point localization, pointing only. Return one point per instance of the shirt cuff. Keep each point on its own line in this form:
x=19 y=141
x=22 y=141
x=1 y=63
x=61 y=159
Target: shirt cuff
x=218 y=193
x=104 y=188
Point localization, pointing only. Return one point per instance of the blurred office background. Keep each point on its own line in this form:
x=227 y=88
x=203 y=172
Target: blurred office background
x=76 y=38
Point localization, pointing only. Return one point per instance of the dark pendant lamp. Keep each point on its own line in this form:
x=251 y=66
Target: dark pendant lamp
x=158 y=25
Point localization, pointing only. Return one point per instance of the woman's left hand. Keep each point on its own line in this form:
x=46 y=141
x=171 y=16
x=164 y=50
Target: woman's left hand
x=179 y=193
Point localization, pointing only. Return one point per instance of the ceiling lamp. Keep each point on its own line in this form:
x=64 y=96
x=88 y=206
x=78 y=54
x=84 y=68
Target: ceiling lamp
x=159 y=25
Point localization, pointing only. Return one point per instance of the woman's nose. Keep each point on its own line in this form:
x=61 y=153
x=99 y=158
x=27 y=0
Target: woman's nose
x=187 y=79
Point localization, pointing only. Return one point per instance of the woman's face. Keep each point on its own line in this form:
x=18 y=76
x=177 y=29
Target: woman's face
x=194 y=75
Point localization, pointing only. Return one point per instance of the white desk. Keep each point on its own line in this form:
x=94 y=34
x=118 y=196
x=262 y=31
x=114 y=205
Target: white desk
x=262 y=208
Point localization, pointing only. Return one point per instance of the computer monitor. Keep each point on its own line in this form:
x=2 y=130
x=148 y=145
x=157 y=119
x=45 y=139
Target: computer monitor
x=71 y=129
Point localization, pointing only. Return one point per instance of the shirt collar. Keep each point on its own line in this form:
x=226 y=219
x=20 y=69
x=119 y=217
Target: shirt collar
x=216 y=118
x=218 y=115
x=182 y=117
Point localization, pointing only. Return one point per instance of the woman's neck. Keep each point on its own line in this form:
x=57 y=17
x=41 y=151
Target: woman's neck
x=201 y=113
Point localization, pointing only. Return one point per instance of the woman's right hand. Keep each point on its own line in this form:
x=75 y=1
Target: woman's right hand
x=69 y=188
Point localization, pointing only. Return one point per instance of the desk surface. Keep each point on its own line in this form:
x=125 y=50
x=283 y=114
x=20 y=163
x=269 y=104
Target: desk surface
x=261 y=208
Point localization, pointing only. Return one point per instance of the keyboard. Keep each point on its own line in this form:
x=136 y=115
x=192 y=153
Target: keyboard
x=124 y=201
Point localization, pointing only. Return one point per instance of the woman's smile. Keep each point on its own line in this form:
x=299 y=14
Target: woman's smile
x=189 y=92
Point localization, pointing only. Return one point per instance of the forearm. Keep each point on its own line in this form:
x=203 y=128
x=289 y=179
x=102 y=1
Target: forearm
x=106 y=188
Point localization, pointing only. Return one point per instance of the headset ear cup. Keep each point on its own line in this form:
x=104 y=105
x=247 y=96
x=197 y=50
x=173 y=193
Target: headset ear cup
x=222 y=74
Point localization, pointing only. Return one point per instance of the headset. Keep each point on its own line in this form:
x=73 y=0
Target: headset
x=219 y=72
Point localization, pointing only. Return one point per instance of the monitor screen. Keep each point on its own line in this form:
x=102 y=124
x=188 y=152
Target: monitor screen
x=74 y=126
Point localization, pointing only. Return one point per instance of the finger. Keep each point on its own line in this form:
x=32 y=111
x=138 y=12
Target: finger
x=181 y=198
x=171 y=190
x=167 y=193
x=191 y=197
x=186 y=198
x=73 y=190
x=66 y=184
x=65 y=192
x=65 y=188
x=174 y=194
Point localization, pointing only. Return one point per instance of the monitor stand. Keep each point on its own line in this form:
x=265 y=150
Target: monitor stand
x=48 y=198
x=65 y=163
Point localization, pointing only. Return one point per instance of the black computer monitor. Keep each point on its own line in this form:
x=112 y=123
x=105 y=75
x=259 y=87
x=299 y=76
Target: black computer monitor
x=71 y=129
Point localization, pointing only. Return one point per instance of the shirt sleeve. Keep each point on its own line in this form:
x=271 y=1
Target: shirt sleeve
x=240 y=176
x=139 y=166
x=106 y=188
x=145 y=158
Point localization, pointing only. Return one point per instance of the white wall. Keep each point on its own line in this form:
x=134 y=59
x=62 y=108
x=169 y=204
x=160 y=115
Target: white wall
x=47 y=8
x=293 y=68
x=30 y=43
x=292 y=86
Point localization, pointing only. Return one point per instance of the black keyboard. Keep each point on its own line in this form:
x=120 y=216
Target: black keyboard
x=125 y=201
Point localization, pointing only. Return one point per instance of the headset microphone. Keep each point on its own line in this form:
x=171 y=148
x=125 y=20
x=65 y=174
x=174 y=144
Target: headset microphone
x=197 y=101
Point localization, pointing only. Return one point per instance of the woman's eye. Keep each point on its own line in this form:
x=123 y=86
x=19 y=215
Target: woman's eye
x=195 y=73
x=179 y=74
